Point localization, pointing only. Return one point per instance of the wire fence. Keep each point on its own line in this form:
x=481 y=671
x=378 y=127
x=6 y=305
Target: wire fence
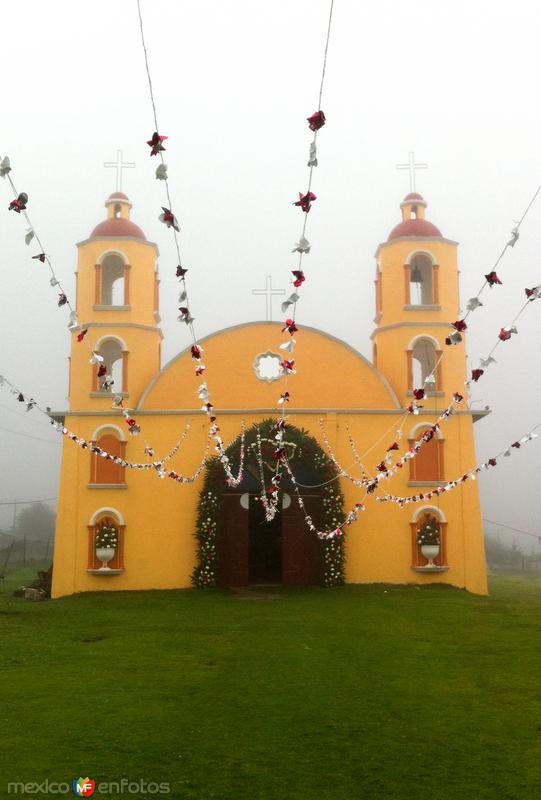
x=22 y=551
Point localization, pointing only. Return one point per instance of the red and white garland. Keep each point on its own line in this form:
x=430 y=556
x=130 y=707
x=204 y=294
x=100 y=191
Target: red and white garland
x=471 y=475
x=385 y=469
x=315 y=122
x=19 y=205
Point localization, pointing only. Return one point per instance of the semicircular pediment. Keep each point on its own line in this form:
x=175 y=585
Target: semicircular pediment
x=331 y=373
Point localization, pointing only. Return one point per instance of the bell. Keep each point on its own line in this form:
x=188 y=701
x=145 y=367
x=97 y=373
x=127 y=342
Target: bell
x=416 y=276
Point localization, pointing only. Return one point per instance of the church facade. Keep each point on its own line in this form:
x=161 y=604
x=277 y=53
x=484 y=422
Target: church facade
x=416 y=290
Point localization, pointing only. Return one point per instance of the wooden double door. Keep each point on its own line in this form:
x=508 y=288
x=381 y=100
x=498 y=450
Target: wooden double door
x=252 y=551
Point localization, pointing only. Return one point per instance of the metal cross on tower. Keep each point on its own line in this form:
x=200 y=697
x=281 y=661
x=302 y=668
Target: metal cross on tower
x=269 y=292
x=412 y=166
x=119 y=165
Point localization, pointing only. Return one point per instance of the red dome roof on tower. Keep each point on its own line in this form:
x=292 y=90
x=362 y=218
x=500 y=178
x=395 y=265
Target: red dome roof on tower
x=118 y=227
x=413 y=196
x=415 y=228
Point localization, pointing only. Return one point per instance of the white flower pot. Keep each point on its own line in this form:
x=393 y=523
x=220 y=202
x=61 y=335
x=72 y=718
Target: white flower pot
x=105 y=554
x=430 y=552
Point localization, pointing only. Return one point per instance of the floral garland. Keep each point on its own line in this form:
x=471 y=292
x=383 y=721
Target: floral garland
x=209 y=516
x=386 y=469
x=205 y=573
x=471 y=475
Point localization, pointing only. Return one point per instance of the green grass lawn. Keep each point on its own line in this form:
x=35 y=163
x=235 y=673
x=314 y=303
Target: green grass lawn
x=360 y=692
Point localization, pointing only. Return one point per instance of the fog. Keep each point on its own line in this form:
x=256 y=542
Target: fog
x=234 y=81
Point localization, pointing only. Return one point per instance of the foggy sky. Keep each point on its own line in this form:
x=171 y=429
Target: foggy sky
x=234 y=80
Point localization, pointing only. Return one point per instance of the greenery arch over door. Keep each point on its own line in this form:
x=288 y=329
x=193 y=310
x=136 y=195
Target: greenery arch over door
x=304 y=451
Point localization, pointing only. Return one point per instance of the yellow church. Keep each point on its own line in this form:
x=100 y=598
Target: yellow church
x=167 y=535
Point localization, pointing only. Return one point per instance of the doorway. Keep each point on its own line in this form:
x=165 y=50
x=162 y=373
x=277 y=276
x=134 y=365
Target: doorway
x=264 y=545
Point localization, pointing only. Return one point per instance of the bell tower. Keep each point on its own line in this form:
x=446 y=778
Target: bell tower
x=117 y=305
x=416 y=301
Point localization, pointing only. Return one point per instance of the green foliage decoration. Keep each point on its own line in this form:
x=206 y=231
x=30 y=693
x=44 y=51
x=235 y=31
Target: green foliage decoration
x=429 y=532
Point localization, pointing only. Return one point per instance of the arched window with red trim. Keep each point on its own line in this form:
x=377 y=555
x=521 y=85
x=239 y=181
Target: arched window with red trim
x=104 y=470
x=427 y=466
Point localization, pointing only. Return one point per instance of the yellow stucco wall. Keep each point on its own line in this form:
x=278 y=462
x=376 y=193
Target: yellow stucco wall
x=160 y=514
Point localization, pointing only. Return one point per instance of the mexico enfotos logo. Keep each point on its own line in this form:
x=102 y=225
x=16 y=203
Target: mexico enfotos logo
x=88 y=787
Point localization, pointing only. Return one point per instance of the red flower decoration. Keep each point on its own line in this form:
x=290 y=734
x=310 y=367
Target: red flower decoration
x=476 y=374
x=290 y=326
x=155 y=143
x=419 y=394
x=82 y=335
x=280 y=453
x=454 y=338
x=102 y=370
x=316 y=121
x=181 y=272
x=39 y=257
x=516 y=445
x=200 y=369
x=62 y=299
x=288 y=366
x=492 y=278
x=169 y=218
x=196 y=352
x=492 y=462
x=284 y=398
x=19 y=204
x=504 y=335
x=394 y=446
x=305 y=201
x=459 y=325
x=382 y=467
x=299 y=277
x=131 y=422
x=458 y=398
x=530 y=293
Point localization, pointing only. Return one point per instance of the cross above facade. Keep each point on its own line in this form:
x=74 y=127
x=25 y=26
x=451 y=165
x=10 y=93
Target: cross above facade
x=269 y=293
x=119 y=165
x=412 y=166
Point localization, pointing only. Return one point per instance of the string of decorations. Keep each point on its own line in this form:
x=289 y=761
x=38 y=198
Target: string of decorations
x=168 y=218
x=335 y=532
x=369 y=484
x=32 y=404
x=470 y=475
x=504 y=335
x=490 y=279
x=122 y=462
x=386 y=469
x=19 y=205
x=315 y=122
x=269 y=499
